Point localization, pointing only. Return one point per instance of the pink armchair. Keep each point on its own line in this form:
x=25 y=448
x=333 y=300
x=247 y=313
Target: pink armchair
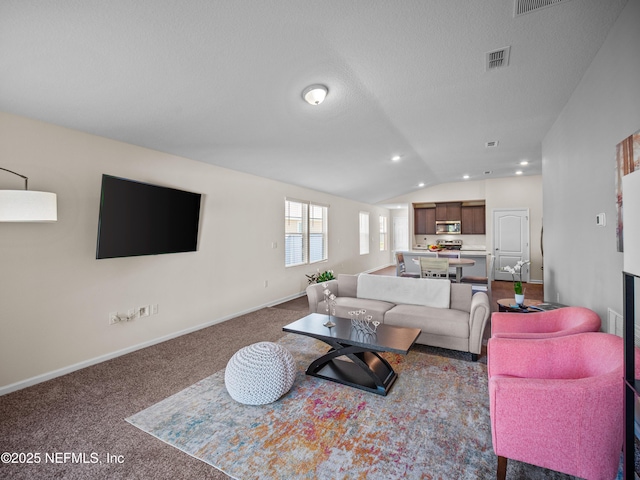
x=558 y=403
x=552 y=323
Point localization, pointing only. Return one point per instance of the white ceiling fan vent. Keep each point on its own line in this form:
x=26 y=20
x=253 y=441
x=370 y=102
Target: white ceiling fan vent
x=497 y=59
x=491 y=144
x=527 y=6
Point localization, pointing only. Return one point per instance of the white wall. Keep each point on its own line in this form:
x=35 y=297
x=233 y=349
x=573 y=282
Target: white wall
x=582 y=266
x=514 y=192
x=55 y=296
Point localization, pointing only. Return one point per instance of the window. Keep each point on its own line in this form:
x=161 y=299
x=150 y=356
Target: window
x=364 y=233
x=305 y=233
x=384 y=234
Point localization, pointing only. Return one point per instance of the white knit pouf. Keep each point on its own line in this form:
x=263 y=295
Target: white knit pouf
x=260 y=373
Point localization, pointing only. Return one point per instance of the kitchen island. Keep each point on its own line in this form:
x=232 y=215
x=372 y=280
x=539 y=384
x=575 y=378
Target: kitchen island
x=412 y=261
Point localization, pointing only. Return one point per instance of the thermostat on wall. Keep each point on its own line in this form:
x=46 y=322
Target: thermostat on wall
x=601 y=220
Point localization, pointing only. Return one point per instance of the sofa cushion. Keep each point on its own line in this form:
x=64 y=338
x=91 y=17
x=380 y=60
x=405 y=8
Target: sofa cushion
x=436 y=321
x=401 y=290
x=461 y=294
x=347 y=285
x=376 y=308
x=344 y=305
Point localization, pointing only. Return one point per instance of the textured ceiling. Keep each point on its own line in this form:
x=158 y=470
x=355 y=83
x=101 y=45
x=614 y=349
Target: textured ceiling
x=221 y=82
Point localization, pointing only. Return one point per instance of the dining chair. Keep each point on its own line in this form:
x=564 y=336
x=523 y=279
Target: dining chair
x=431 y=267
x=450 y=255
x=479 y=281
x=401 y=268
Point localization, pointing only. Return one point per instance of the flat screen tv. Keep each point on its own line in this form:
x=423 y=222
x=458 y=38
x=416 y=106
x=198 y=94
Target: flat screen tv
x=142 y=219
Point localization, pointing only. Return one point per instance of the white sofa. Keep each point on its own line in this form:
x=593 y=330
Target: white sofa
x=447 y=313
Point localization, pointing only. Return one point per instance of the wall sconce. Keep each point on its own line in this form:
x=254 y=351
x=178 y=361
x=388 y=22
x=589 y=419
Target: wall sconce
x=27 y=205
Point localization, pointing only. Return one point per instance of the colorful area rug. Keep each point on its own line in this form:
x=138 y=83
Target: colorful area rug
x=433 y=424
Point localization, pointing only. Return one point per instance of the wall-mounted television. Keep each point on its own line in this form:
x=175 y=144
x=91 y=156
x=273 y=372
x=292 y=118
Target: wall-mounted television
x=138 y=218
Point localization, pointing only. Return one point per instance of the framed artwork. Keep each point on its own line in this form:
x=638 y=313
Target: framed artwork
x=627 y=161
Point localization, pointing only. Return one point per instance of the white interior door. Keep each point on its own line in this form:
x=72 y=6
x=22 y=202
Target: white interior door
x=400 y=233
x=510 y=241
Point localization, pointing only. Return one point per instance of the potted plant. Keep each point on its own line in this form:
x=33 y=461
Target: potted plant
x=319 y=277
x=516 y=275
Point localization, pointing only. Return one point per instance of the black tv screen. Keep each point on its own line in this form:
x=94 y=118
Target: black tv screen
x=142 y=219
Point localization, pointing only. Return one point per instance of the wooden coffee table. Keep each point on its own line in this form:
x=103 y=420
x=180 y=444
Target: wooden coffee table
x=366 y=369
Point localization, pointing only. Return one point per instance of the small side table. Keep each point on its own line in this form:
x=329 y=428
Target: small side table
x=509 y=305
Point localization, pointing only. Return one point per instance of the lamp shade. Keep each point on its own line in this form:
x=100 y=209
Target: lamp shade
x=28 y=206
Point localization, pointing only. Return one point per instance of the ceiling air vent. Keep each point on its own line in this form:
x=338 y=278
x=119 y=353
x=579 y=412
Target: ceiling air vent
x=491 y=144
x=497 y=59
x=528 y=6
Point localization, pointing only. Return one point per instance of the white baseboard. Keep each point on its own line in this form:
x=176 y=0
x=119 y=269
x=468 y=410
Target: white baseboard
x=379 y=268
x=103 y=358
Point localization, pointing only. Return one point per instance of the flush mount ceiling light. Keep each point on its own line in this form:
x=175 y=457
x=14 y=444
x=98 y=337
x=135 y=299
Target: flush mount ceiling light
x=27 y=205
x=395 y=158
x=421 y=184
x=524 y=162
x=466 y=177
x=315 y=94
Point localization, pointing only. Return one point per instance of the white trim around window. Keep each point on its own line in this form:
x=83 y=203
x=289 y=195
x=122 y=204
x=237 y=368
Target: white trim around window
x=364 y=232
x=305 y=232
x=384 y=233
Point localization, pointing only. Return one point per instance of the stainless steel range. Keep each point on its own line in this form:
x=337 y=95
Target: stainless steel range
x=449 y=244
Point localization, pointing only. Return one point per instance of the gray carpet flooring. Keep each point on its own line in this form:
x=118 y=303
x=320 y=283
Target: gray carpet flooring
x=83 y=412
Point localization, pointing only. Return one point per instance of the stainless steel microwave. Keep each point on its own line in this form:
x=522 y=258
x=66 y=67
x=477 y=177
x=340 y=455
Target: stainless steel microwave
x=448 y=227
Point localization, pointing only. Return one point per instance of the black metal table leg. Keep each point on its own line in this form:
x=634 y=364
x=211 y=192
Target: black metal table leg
x=367 y=370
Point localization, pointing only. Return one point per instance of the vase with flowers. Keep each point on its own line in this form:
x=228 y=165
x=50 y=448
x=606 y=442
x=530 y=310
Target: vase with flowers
x=516 y=275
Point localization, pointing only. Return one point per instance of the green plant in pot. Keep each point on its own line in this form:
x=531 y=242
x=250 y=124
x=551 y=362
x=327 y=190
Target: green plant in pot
x=319 y=277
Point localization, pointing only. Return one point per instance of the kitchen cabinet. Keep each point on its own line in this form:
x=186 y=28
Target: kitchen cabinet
x=424 y=221
x=473 y=220
x=449 y=211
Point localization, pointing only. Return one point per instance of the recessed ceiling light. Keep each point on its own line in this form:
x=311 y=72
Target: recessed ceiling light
x=315 y=94
x=524 y=162
x=519 y=172
x=421 y=184
x=466 y=177
x=395 y=158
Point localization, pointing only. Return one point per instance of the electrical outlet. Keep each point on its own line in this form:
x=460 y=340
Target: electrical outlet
x=113 y=318
x=144 y=311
